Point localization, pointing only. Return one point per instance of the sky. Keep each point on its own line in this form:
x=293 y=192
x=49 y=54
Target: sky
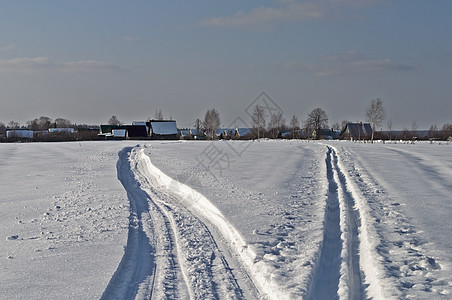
x=88 y=60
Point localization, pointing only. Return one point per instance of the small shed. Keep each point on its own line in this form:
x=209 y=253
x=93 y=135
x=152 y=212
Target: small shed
x=356 y=131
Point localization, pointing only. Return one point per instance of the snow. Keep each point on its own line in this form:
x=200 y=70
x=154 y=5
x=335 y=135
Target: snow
x=65 y=130
x=225 y=219
x=164 y=127
x=119 y=132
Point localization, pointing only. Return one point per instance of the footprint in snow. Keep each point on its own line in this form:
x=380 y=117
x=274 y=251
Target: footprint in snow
x=12 y=237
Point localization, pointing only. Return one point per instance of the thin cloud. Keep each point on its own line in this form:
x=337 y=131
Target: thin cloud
x=349 y=63
x=25 y=65
x=88 y=66
x=288 y=11
x=8 y=47
x=130 y=39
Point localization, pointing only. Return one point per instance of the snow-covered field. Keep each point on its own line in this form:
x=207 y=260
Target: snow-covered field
x=225 y=220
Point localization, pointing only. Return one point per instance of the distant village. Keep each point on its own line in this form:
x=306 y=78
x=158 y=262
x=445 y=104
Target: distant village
x=43 y=129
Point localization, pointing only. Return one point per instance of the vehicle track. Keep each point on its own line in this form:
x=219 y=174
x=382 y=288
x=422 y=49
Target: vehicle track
x=170 y=253
x=338 y=274
x=137 y=265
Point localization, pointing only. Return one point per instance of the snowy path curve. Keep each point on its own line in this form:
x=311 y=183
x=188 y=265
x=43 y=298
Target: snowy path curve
x=191 y=201
x=170 y=253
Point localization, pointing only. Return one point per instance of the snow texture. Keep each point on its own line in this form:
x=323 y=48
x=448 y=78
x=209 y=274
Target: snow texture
x=164 y=127
x=225 y=220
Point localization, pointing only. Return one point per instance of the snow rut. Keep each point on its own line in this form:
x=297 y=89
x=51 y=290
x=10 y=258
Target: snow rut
x=137 y=266
x=340 y=271
x=170 y=253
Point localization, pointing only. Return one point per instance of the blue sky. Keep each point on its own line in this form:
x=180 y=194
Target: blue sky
x=89 y=60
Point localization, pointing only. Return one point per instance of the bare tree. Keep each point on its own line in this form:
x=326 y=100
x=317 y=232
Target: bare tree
x=294 y=125
x=375 y=114
x=114 y=121
x=405 y=133
x=390 y=128
x=198 y=127
x=433 y=131
x=413 y=129
x=62 y=123
x=336 y=126
x=277 y=122
x=158 y=115
x=2 y=128
x=447 y=131
x=13 y=124
x=344 y=123
x=258 y=120
x=211 y=122
x=43 y=123
x=317 y=119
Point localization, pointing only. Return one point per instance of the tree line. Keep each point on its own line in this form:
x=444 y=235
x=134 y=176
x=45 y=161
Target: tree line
x=41 y=127
x=264 y=124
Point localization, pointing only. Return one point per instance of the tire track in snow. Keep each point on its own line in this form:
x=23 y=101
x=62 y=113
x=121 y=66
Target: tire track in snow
x=149 y=267
x=137 y=264
x=338 y=274
x=408 y=268
x=203 y=267
x=173 y=253
x=264 y=281
x=326 y=277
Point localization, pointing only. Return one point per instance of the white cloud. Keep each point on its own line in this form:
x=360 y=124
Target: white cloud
x=27 y=65
x=286 y=12
x=7 y=47
x=88 y=66
x=349 y=63
x=289 y=11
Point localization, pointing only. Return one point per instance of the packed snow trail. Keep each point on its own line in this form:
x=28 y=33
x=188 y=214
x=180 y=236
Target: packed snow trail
x=170 y=253
x=137 y=266
x=190 y=201
x=407 y=259
x=326 y=277
x=338 y=274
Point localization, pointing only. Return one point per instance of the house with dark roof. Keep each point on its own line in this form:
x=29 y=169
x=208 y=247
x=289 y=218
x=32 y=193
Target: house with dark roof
x=136 y=131
x=356 y=131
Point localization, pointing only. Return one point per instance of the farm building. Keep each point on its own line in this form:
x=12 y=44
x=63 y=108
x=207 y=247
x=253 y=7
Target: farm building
x=19 y=134
x=123 y=131
x=137 y=131
x=326 y=134
x=163 y=130
x=61 y=130
x=113 y=131
x=192 y=134
x=356 y=131
x=153 y=129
